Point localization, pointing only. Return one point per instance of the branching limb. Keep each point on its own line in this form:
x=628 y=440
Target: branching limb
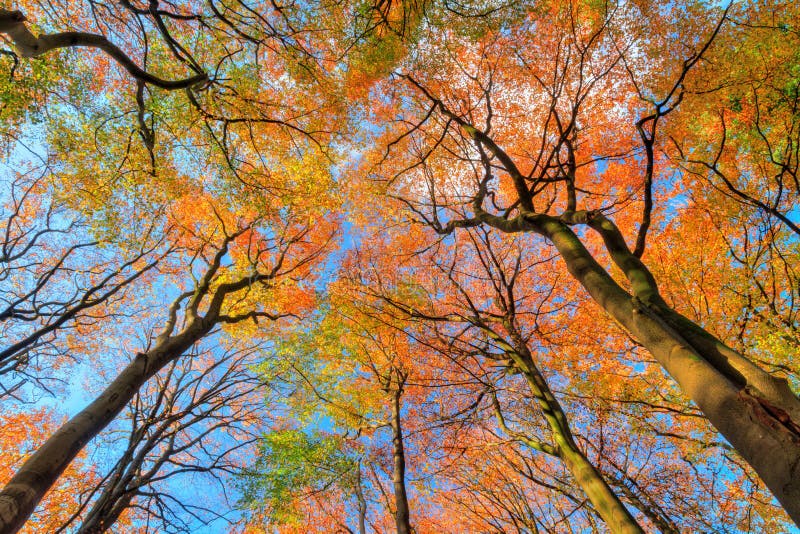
x=12 y=23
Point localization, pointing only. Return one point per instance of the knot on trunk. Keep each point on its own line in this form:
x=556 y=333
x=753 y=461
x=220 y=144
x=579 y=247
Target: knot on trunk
x=769 y=414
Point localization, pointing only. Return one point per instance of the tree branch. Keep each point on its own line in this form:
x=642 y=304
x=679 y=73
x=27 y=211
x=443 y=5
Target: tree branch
x=12 y=23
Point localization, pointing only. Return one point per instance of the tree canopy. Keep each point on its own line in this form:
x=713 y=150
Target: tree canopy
x=413 y=266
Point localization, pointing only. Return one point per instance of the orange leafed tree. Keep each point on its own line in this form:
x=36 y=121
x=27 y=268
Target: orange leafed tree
x=568 y=126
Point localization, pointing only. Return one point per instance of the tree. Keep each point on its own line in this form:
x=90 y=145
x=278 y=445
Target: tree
x=256 y=238
x=222 y=295
x=196 y=419
x=565 y=164
x=506 y=342
x=353 y=371
x=638 y=433
x=498 y=337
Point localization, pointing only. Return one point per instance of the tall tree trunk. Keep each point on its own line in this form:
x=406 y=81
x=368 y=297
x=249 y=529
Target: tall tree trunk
x=27 y=487
x=606 y=502
x=756 y=412
x=402 y=516
x=602 y=497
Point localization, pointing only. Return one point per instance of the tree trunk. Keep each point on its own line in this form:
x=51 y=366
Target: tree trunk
x=27 y=487
x=611 y=510
x=104 y=515
x=362 y=502
x=602 y=497
x=402 y=516
x=756 y=412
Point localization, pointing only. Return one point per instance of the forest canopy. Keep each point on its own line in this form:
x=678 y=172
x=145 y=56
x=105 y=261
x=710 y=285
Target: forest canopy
x=422 y=266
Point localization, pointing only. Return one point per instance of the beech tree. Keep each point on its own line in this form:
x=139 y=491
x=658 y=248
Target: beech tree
x=219 y=297
x=469 y=156
x=372 y=358
x=506 y=343
x=469 y=301
x=239 y=232
x=174 y=431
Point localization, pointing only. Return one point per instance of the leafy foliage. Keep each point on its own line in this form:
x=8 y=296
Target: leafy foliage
x=412 y=265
